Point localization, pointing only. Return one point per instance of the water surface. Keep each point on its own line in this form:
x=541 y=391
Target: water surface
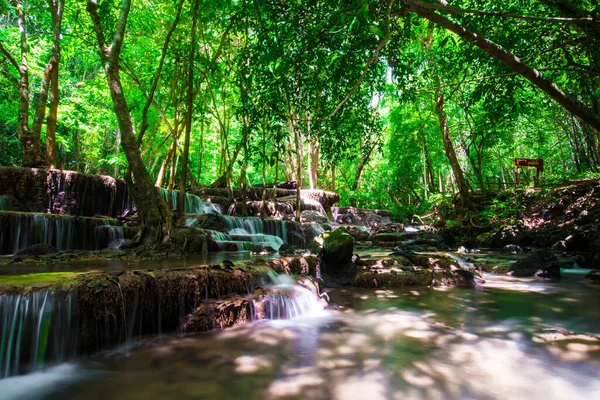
x=508 y=339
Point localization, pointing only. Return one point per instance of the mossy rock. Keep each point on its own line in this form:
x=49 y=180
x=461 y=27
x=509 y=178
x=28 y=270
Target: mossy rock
x=189 y=240
x=338 y=246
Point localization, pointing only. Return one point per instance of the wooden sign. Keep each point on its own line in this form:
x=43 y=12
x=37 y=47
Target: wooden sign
x=528 y=162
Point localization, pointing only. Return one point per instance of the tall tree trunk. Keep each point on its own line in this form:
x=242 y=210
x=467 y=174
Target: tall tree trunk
x=162 y=172
x=30 y=138
x=314 y=149
x=364 y=159
x=189 y=111
x=514 y=63
x=153 y=210
x=463 y=189
x=56 y=7
x=333 y=176
x=299 y=152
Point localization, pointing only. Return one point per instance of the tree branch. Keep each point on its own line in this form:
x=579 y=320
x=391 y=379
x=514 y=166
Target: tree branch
x=158 y=73
x=456 y=10
x=9 y=56
x=115 y=47
x=92 y=9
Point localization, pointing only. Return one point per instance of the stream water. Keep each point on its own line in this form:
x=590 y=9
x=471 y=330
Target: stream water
x=506 y=339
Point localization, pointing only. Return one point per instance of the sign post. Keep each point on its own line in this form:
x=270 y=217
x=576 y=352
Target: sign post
x=528 y=162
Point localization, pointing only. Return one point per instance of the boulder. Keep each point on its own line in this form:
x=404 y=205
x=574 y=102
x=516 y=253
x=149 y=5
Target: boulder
x=511 y=249
x=338 y=246
x=262 y=249
x=189 y=240
x=313 y=216
x=593 y=276
x=541 y=263
x=360 y=234
x=358 y=216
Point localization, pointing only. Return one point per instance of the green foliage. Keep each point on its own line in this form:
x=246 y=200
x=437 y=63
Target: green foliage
x=334 y=74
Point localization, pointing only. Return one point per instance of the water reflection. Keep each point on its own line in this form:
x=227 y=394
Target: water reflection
x=421 y=343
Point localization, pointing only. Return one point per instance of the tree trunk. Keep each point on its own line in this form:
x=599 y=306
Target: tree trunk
x=30 y=139
x=465 y=195
x=188 y=114
x=361 y=165
x=514 y=63
x=333 y=177
x=299 y=152
x=314 y=148
x=57 y=7
x=153 y=210
x=162 y=172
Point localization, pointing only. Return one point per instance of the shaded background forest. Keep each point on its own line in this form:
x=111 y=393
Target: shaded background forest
x=362 y=97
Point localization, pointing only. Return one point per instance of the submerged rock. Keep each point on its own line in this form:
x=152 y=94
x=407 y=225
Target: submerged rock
x=541 y=263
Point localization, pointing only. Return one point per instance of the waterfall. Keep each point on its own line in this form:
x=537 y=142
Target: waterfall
x=108 y=236
x=287 y=299
x=21 y=230
x=313 y=205
x=270 y=232
x=5 y=203
x=36 y=327
x=193 y=203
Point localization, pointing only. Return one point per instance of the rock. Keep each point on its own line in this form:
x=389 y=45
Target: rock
x=327 y=199
x=505 y=236
x=462 y=250
x=313 y=216
x=38 y=250
x=390 y=237
x=338 y=246
x=596 y=261
x=511 y=249
x=359 y=233
x=214 y=222
x=190 y=240
x=262 y=249
x=593 y=276
x=541 y=263
x=357 y=216
x=308 y=265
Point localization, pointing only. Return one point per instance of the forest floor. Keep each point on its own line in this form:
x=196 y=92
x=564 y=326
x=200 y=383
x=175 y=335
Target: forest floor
x=565 y=217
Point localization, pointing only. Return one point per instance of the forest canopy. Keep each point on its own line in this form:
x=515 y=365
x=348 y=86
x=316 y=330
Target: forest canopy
x=394 y=104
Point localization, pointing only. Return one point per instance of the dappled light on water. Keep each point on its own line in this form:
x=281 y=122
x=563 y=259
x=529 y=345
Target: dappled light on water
x=499 y=342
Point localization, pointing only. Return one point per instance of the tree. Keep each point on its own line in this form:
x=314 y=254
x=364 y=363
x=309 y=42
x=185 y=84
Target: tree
x=154 y=212
x=29 y=135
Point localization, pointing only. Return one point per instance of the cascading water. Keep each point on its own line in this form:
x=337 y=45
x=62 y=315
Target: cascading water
x=313 y=205
x=21 y=230
x=287 y=299
x=36 y=327
x=269 y=232
x=108 y=236
x=193 y=203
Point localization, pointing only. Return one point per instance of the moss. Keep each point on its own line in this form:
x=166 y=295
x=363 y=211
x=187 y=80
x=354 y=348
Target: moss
x=39 y=279
x=401 y=279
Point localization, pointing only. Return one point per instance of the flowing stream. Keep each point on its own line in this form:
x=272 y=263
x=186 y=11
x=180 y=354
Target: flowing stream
x=507 y=339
